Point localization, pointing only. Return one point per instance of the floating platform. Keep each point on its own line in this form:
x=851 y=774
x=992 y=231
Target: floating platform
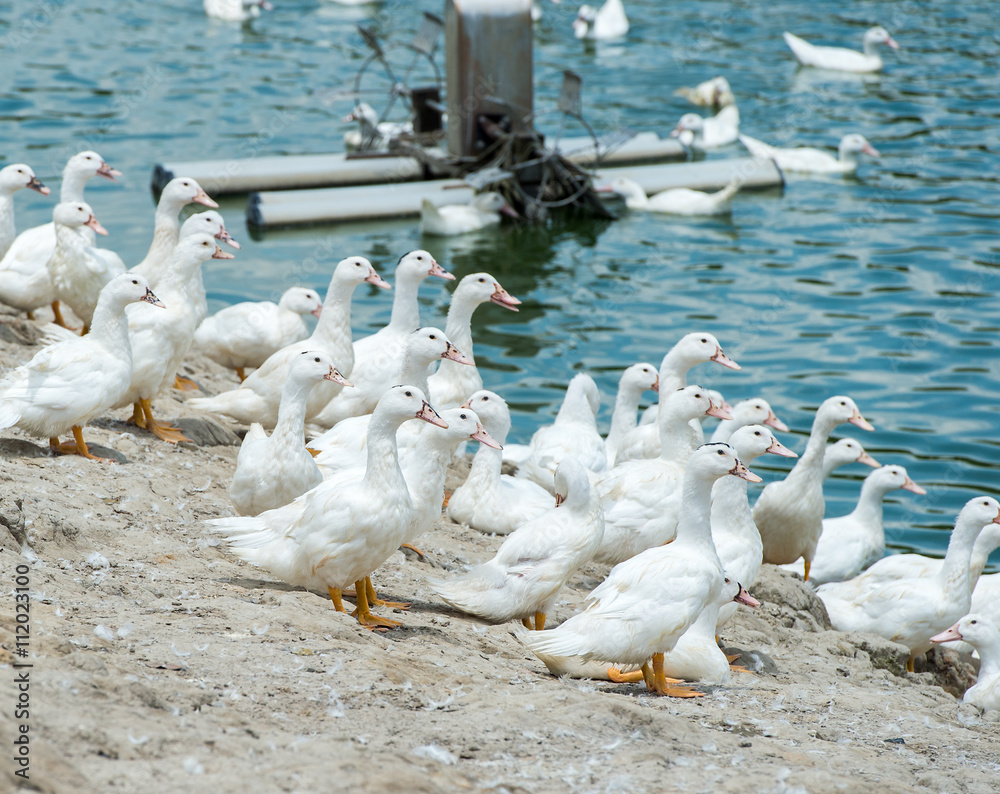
x=401 y=200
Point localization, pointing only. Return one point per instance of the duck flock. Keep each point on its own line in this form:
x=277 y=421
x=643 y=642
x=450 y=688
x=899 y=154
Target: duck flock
x=668 y=512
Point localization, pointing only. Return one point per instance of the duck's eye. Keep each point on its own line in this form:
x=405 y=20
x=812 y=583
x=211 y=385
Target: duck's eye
x=704 y=341
x=697 y=396
x=757 y=433
x=186 y=184
x=89 y=157
x=973 y=622
x=463 y=416
x=420 y=259
x=482 y=281
x=409 y=394
x=316 y=360
x=720 y=452
x=728 y=580
x=135 y=282
x=843 y=403
x=433 y=336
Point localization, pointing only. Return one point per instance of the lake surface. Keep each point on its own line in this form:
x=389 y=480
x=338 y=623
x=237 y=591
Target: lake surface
x=883 y=287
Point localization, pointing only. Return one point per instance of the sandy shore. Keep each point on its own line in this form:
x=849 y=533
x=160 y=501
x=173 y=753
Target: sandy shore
x=163 y=664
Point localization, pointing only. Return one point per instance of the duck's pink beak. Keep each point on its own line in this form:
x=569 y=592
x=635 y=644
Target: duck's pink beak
x=36 y=184
x=868 y=460
x=775 y=422
x=440 y=272
x=93 y=224
x=509 y=211
x=741 y=471
x=317 y=311
x=910 y=485
x=454 y=354
x=428 y=414
x=948 y=635
x=997 y=519
x=201 y=197
x=604 y=189
x=777 y=448
x=336 y=377
x=560 y=499
x=377 y=280
x=503 y=298
x=108 y=172
x=860 y=421
x=892 y=43
x=484 y=438
x=656 y=385
x=722 y=358
x=870 y=150
x=220 y=254
x=467 y=404
x=149 y=297
x=227 y=238
x=743 y=597
x=717 y=411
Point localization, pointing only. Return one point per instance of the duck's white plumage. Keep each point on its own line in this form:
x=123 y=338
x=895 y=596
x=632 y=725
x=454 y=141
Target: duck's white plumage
x=453 y=384
x=236 y=10
x=74 y=380
x=537 y=559
x=77 y=269
x=676 y=201
x=714 y=93
x=272 y=471
x=572 y=434
x=712 y=132
x=601 y=24
x=378 y=357
x=209 y=222
x=13 y=178
x=733 y=530
x=489 y=501
x=635 y=380
x=851 y=543
x=691 y=349
x=807 y=160
x=642 y=498
x=755 y=411
x=650 y=600
x=789 y=512
x=245 y=334
x=257 y=398
x=912 y=610
x=981 y=630
x=453 y=219
x=842 y=59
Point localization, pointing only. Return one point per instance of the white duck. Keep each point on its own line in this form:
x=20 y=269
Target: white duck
x=607 y=22
x=209 y=222
x=77 y=269
x=378 y=357
x=789 y=512
x=982 y=632
x=690 y=350
x=911 y=611
x=489 y=501
x=851 y=543
x=522 y=580
x=426 y=468
x=677 y=201
x=12 y=179
x=236 y=10
x=807 y=160
x=844 y=452
x=573 y=434
x=733 y=530
x=372 y=133
x=257 y=398
x=453 y=384
x=714 y=93
x=272 y=471
x=713 y=132
x=642 y=498
x=635 y=380
x=339 y=533
x=986 y=593
x=452 y=219
x=842 y=59
x=25 y=278
x=176 y=194
x=647 y=602
x=245 y=334
x=161 y=339
x=343 y=445
x=755 y=411
x=68 y=383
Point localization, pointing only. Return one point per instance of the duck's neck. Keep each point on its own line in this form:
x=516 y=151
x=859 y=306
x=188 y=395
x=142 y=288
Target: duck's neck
x=7 y=229
x=459 y=325
x=981 y=549
x=333 y=331
x=694 y=528
x=290 y=429
x=677 y=437
x=730 y=505
x=673 y=373
x=166 y=232
x=636 y=199
x=989 y=659
x=847 y=156
x=810 y=465
x=871 y=49
x=433 y=453
x=109 y=328
x=70 y=244
x=955 y=575
x=868 y=511
x=485 y=472
x=72 y=185
x=405 y=307
x=414 y=371
x=575 y=408
x=382 y=474
x=625 y=415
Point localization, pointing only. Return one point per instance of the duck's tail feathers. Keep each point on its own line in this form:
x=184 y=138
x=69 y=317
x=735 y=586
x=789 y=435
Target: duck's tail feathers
x=756 y=147
x=249 y=537
x=565 y=666
x=725 y=195
x=243 y=405
x=52 y=333
x=559 y=642
x=10 y=413
x=482 y=591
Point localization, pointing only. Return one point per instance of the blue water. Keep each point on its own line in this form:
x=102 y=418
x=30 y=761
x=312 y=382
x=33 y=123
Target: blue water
x=882 y=287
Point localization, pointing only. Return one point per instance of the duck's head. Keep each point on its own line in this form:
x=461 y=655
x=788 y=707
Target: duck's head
x=76 y=214
x=839 y=409
x=492 y=411
x=980 y=511
x=90 y=164
x=183 y=190
x=585 y=18
x=891 y=477
x=689 y=122
x=209 y=222
x=714 y=460
x=483 y=288
x=407 y=402
x=314 y=366
x=879 y=35
x=694 y=402
x=18 y=176
x=128 y=288
x=757 y=411
x=302 y=301
x=624 y=187
x=420 y=264
x=363 y=112
x=357 y=270
x=197 y=248
x=977 y=629
x=752 y=441
x=854 y=144
x=697 y=348
x=465 y=425
x=639 y=378
x=492 y=201
x=429 y=344
x=572 y=485
x=583 y=391
x=845 y=451
x=734 y=591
